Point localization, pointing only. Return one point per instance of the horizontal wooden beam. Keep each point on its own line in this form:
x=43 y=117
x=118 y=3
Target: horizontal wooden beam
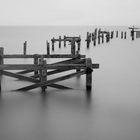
x=44 y=55
x=46 y=83
x=38 y=67
x=25 y=71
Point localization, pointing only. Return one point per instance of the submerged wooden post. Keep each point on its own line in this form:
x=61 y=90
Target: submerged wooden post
x=1 y=63
x=88 y=73
x=25 y=47
x=48 y=48
x=59 y=41
x=43 y=72
x=36 y=63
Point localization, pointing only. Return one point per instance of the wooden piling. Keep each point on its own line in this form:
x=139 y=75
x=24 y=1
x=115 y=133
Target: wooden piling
x=64 y=41
x=25 y=48
x=48 y=48
x=59 y=41
x=121 y=35
x=73 y=47
x=117 y=33
x=88 y=73
x=125 y=35
x=52 y=44
x=35 y=63
x=43 y=72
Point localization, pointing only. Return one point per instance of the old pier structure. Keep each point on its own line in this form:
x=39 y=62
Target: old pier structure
x=41 y=70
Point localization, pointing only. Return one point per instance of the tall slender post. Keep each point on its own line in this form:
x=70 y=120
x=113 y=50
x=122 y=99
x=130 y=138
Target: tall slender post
x=59 y=41
x=25 y=47
x=64 y=41
x=125 y=35
x=73 y=46
x=43 y=72
x=48 y=48
x=1 y=63
x=88 y=73
x=35 y=63
x=52 y=44
x=117 y=33
x=121 y=35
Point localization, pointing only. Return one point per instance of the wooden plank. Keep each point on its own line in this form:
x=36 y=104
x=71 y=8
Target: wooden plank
x=44 y=55
x=52 y=81
x=38 y=67
x=25 y=71
x=95 y=66
x=21 y=77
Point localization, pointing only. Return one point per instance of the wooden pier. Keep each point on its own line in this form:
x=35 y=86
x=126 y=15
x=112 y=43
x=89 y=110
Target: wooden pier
x=40 y=69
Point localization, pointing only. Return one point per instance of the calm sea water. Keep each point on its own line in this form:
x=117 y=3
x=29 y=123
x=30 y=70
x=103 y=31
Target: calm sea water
x=110 y=112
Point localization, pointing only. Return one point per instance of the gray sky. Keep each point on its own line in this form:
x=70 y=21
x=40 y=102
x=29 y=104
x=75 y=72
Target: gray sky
x=69 y=12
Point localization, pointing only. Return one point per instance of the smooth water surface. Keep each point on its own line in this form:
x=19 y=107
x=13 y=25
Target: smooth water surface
x=110 y=112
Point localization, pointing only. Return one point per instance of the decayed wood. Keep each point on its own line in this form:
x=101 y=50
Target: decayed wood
x=44 y=55
x=25 y=71
x=52 y=81
x=35 y=63
x=29 y=79
x=89 y=74
x=24 y=48
x=38 y=67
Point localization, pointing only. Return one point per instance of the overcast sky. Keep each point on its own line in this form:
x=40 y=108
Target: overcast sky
x=69 y=12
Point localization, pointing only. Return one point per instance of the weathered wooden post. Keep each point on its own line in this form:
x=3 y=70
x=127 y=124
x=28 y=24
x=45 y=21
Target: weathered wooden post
x=1 y=63
x=52 y=44
x=117 y=33
x=112 y=34
x=88 y=73
x=125 y=35
x=99 y=32
x=43 y=72
x=73 y=46
x=59 y=41
x=102 y=37
x=64 y=41
x=121 y=35
x=48 y=48
x=35 y=63
x=87 y=40
x=25 y=47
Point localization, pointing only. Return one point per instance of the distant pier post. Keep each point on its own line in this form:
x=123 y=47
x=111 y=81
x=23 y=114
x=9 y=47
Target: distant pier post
x=59 y=41
x=117 y=33
x=48 y=48
x=121 y=35
x=125 y=33
x=52 y=44
x=25 y=48
x=64 y=41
